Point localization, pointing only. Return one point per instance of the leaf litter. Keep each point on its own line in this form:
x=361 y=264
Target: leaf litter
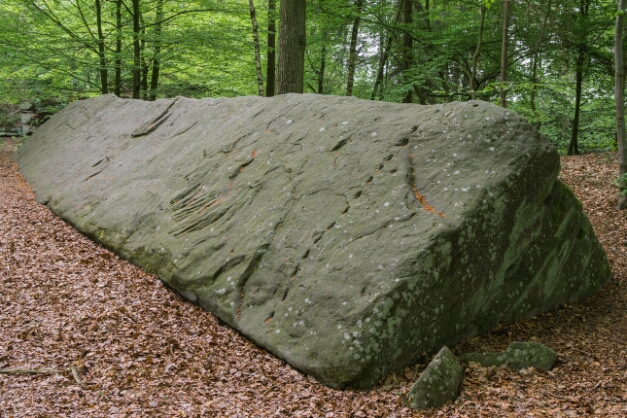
x=95 y=336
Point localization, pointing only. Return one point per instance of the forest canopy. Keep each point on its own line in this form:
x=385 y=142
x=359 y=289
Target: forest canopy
x=551 y=61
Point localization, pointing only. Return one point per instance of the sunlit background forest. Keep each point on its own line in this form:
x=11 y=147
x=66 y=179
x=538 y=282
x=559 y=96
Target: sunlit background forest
x=558 y=70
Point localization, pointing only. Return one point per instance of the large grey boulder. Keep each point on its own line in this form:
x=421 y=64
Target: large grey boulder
x=346 y=236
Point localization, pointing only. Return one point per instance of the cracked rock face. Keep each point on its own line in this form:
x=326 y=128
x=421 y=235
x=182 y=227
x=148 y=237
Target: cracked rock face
x=346 y=236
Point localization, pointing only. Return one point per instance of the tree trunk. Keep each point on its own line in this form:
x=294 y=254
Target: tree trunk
x=475 y=56
x=101 y=51
x=384 y=54
x=136 y=51
x=619 y=95
x=504 y=47
x=118 y=48
x=271 y=55
x=534 y=65
x=291 y=63
x=253 y=19
x=573 y=148
x=408 y=46
x=323 y=65
x=144 y=73
x=156 y=61
x=352 y=57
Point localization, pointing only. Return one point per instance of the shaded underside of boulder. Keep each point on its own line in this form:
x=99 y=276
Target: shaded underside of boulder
x=348 y=237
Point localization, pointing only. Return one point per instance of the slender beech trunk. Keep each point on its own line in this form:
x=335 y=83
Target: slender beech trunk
x=271 y=55
x=383 y=57
x=291 y=62
x=253 y=19
x=384 y=54
x=104 y=83
x=534 y=65
x=156 y=60
x=117 y=64
x=504 y=47
x=619 y=95
x=144 y=74
x=352 y=57
x=408 y=46
x=573 y=147
x=323 y=65
x=136 y=51
x=475 y=56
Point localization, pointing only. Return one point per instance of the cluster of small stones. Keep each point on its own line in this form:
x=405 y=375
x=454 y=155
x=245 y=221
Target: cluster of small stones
x=439 y=383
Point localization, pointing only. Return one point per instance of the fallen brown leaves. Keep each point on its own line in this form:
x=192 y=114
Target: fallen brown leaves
x=125 y=346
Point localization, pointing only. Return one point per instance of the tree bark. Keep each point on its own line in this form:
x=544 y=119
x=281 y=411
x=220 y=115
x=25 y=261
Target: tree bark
x=475 y=56
x=407 y=51
x=323 y=65
x=104 y=83
x=291 y=63
x=534 y=65
x=117 y=64
x=156 y=61
x=573 y=147
x=136 y=51
x=352 y=57
x=271 y=54
x=384 y=54
x=253 y=19
x=619 y=95
x=504 y=47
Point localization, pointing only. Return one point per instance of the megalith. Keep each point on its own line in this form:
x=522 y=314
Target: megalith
x=348 y=237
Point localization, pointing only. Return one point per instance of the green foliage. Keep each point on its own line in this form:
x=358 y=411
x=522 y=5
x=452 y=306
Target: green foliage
x=621 y=182
x=204 y=48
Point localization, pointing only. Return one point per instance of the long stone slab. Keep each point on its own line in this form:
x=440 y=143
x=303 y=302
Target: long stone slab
x=348 y=237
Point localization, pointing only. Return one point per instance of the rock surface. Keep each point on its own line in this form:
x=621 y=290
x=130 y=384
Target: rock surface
x=518 y=355
x=345 y=236
x=438 y=384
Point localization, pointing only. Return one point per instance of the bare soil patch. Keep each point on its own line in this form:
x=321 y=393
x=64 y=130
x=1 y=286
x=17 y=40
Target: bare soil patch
x=113 y=341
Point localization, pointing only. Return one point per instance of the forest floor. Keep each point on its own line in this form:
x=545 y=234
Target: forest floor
x=113 y=341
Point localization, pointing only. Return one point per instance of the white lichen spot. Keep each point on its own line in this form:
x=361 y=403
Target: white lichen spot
x=376 y=211
x=386 y=204
x=465 y=189
x=278 y=331
x=232 y=304
x=289 y=121
x=345 y=122
x=339 y=327
x=380 y=267
x=322 y=129
x=228 y=279
x=349 y=256
x=374 y=134
x=347 y=336
x=456 y=172
x=492 y=148
x=221 y=291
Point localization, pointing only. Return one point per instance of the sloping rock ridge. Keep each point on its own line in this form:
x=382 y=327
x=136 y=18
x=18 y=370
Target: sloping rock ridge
x=348 y=237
